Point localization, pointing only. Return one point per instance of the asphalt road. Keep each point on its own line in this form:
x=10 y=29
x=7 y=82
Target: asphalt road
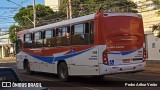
x=111 y=82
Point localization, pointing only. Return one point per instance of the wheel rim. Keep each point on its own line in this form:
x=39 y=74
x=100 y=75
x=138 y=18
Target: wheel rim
x=27 y=68
x=63 y=72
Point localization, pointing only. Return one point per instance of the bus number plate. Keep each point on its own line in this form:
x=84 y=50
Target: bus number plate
x=126 y=61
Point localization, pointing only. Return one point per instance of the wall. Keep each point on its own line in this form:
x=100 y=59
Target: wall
x=52 y=4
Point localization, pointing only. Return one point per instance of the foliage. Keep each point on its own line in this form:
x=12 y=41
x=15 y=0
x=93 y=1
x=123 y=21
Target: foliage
x=156 y=27
x=55 y=17
x=156 y=2
x=24 y=17
x=12 y=32
x=84 y=7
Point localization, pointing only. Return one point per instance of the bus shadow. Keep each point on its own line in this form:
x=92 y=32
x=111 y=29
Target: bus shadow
x=86 y=81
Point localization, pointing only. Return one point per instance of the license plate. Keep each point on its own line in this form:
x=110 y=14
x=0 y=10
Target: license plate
x=126 y=61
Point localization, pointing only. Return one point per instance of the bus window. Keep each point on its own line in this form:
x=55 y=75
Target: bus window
x=65 y=40
x=27 y=37
x=79 y=37
x=38 y=41
x=64 y=31
x=37 y=35
x=48 y=34
x=91 y=32
x=28 y=40
x=62 y=36
x=58 y=36
x=49 y=40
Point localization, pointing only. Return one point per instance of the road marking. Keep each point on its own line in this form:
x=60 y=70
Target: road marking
x=36 y=77
x=62 y=83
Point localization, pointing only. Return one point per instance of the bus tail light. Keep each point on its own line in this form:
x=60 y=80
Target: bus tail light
x=144 y=55
x=105 y=57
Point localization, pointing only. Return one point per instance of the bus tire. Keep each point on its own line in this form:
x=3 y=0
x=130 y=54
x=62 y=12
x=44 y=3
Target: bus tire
x=27 y=68
x=63 y=71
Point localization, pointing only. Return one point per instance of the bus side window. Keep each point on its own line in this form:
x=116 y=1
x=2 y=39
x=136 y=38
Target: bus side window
x=49 y=41
x=79 y=34
x=59 y=32
x=38 y=41
x=65 y=40
x=92 y=32
x=28 y=40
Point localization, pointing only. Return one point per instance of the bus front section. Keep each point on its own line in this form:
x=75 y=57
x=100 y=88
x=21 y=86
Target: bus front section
x=123 y=39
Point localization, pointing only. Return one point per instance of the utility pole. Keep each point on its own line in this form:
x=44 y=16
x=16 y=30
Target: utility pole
x=67 y=8
x=70 y=9
x=34 y=13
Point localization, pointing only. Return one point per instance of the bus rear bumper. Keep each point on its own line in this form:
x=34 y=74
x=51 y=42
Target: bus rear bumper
x=130 y=68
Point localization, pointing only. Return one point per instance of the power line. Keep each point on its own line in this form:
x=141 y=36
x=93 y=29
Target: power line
x=14 y=3
x=9 y=8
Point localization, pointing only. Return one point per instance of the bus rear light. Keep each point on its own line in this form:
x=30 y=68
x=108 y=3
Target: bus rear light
x=144 y=55
x=105 y=57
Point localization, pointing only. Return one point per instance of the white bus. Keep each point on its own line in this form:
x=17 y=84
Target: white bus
x=96 y=45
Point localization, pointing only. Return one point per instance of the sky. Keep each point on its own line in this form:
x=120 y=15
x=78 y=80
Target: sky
x=9 y=9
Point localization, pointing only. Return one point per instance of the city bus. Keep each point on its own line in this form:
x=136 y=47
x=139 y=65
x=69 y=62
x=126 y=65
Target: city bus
x=93 y=45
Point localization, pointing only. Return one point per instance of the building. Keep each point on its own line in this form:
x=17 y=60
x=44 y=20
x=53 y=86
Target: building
x=144 y=5
x=5 y=46
x=148 y=11
x=53 y=4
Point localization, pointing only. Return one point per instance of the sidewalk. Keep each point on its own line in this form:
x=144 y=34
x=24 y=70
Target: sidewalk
x=8 y=59
x=153 y=68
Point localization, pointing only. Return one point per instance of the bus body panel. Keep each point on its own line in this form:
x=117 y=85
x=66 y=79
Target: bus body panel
x=130 y=68
x=129 y=57
x=85 y=63
x=77 y=62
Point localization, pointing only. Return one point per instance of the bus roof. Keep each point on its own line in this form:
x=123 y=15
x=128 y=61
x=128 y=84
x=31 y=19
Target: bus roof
x=62 y=23
x=75 y=20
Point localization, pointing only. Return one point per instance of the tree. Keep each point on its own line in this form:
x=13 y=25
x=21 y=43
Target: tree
x=84 y=7
x=12 y=32
x=24 y=16
x=57 y=16
x=156 y=27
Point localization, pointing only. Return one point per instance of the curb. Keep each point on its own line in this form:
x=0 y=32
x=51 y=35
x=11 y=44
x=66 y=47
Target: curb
x=9 y=62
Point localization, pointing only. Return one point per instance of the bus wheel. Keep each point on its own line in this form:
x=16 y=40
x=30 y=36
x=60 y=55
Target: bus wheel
x=63 y=71
x=27 y=68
